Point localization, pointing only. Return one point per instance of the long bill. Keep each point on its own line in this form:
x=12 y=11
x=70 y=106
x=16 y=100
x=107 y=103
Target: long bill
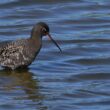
x=54 y=42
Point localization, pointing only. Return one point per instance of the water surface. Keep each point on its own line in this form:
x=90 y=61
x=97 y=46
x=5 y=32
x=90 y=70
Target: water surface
x=78 y=78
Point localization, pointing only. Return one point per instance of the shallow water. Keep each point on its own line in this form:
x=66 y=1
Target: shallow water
x=78 y=78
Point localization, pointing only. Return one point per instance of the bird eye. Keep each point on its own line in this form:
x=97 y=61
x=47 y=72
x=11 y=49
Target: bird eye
x=44 y=30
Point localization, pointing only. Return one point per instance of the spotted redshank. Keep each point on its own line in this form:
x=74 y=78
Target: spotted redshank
x=21 y=53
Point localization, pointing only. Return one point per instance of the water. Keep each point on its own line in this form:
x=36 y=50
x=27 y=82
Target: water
x=78 y=78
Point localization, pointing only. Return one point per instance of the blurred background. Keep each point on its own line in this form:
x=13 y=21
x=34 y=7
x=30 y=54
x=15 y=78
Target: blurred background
x=76 y=79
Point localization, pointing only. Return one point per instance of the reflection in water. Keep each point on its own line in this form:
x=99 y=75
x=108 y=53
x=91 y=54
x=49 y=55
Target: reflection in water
x=21 y=82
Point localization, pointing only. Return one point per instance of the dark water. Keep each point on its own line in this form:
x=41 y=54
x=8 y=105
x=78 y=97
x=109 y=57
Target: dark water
x=78 y=78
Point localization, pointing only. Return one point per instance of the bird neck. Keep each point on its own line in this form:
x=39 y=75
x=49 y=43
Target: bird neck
x=36 y=35
x=36 y=40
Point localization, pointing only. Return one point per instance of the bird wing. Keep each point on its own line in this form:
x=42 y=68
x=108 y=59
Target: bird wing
x=12 y=54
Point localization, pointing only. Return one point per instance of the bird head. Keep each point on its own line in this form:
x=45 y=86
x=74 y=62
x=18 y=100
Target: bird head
x=42 y=29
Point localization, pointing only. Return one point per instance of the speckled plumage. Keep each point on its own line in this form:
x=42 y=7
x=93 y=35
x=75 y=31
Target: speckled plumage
x=20 y=53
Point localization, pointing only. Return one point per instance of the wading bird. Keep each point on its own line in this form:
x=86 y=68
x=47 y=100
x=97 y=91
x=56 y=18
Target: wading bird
x=21 y=53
